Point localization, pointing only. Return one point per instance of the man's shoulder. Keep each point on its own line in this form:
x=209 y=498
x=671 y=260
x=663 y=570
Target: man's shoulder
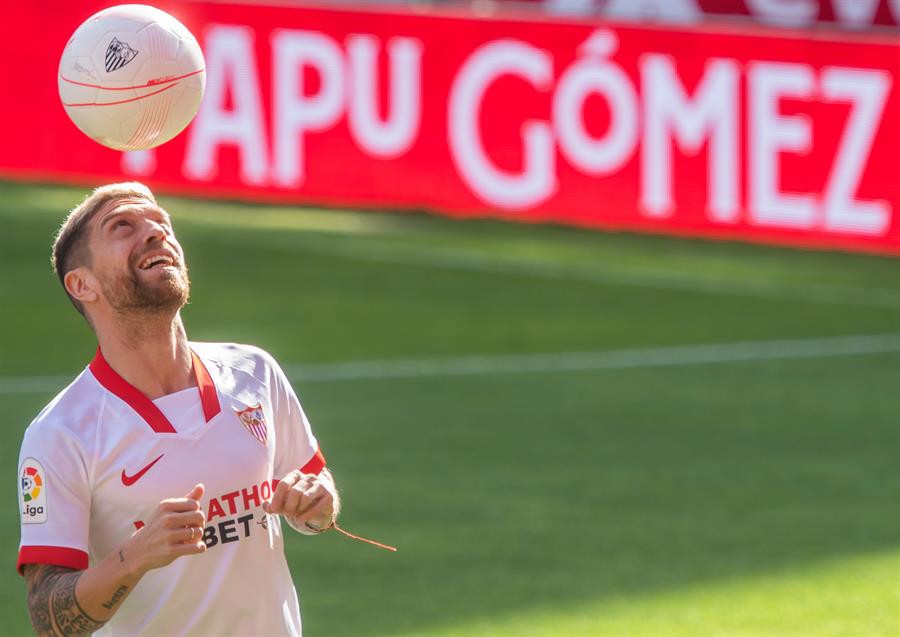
x=73 y=411
x=249 y=359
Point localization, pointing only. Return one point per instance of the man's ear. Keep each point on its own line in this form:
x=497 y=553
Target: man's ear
x=82 y=285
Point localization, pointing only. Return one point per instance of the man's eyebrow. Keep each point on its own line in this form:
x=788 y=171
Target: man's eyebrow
x=112 y=215
x=132 y=209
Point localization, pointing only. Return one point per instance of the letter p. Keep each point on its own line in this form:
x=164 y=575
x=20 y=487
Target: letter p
x=295 y=112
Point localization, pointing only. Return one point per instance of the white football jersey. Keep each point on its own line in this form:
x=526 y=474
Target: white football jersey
x=100 y=457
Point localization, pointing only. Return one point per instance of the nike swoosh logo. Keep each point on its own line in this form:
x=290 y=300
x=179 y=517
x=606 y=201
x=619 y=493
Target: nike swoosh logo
x=130 y=480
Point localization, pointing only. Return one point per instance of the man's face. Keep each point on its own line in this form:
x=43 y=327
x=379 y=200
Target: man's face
x=136 y=258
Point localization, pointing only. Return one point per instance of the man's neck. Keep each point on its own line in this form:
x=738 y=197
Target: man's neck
x=150 y=352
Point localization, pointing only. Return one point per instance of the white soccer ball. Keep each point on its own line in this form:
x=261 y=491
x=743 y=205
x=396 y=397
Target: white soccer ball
x=131 y=77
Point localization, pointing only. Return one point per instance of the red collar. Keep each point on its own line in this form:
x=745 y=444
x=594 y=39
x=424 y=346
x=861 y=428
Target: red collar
x=110 y=379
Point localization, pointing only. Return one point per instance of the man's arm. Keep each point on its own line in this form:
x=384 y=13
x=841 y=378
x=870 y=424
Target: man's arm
x=54 y=605
x=65 y=602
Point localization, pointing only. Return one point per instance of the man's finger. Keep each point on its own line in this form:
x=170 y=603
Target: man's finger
x=311 y=497
x=188 y=548
x=178 y=505
x=183 y=535
x=281 y=491
x=293 y=499
x=197 y=492
x=315 y=509
x=186 y=518
x=279 y=495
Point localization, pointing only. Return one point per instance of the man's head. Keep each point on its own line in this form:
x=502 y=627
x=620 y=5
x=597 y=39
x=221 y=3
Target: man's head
x=117 y=250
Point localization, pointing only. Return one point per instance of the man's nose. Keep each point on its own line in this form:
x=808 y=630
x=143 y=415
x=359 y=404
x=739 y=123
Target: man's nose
x=155 y=231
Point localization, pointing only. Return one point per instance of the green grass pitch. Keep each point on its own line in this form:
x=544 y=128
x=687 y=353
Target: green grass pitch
x=733 y=497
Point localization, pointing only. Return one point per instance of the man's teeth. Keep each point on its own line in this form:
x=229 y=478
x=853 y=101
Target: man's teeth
x=151 y=262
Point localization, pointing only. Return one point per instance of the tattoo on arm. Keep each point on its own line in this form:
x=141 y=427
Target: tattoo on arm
x=54 y=609
x=115 y=597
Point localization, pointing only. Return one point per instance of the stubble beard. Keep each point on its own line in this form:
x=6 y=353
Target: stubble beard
x=130 y=294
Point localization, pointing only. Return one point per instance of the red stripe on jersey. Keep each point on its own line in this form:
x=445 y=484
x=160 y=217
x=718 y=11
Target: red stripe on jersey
x=110 y=379
x=315 y=465
x=113 y=382
x=55 y=555
x=209 y=397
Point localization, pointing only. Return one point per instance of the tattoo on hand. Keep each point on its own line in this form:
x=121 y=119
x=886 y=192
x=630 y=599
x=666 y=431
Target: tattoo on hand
x=52 y=604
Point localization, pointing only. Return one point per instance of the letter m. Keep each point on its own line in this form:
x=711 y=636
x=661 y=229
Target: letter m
x=710 y=114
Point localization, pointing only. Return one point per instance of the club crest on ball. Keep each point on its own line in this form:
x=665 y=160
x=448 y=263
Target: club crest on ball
x=118 y=54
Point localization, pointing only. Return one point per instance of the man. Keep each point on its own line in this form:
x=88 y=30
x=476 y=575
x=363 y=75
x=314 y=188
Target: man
x=150 y=488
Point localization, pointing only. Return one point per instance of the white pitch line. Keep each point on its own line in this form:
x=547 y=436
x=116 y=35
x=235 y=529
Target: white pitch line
x=33 y=384
x=595 y=360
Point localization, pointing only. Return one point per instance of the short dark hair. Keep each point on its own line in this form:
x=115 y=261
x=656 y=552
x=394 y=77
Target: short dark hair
x=70 y=247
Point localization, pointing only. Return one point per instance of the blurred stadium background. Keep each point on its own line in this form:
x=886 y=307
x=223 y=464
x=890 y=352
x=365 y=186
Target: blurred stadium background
x=567 y=427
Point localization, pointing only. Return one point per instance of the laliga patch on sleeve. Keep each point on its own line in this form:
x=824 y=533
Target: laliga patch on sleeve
x=33 y=492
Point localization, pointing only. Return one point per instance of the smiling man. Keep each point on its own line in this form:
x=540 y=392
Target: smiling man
x=151 y=487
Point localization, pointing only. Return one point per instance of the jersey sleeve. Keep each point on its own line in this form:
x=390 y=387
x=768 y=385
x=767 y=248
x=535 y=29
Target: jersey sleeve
x=296 y=446
x=54 y=500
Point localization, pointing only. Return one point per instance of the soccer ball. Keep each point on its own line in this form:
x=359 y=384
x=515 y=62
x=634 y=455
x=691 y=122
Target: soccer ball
x=131 y=77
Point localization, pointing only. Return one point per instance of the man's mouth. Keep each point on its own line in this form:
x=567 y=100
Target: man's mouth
x=156 y=261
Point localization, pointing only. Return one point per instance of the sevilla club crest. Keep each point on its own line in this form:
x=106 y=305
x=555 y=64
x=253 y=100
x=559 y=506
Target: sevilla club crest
x=118 y=54
x=254 y=421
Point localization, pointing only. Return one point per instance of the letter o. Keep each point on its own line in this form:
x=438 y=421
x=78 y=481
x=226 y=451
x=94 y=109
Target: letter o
x=606 y=154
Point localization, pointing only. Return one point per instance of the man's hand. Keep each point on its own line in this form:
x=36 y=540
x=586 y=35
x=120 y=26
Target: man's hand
x=174 y=529
x=305 y=498
x=79 y=602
